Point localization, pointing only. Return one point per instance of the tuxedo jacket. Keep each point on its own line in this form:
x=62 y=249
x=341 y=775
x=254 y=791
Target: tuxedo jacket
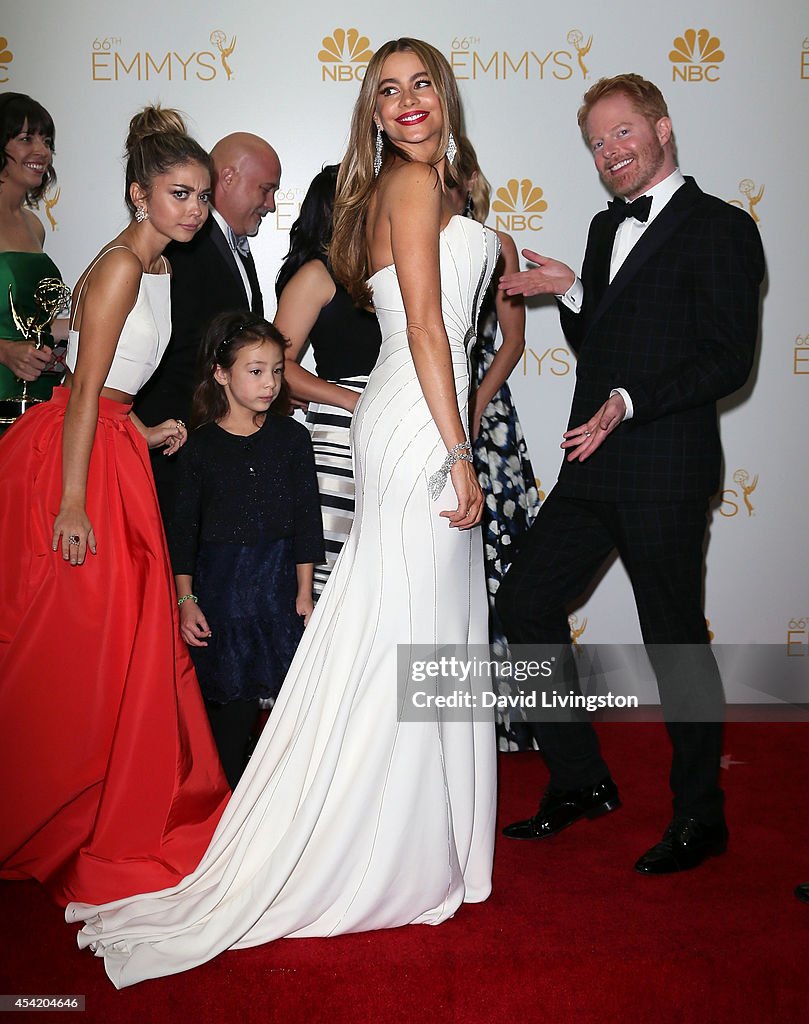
x=205 y=281
x=677 y=328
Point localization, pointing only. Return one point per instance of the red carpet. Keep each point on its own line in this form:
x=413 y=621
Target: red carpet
x=571 y=933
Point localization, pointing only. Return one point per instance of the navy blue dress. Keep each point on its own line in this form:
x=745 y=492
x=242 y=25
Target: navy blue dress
x=247 y=513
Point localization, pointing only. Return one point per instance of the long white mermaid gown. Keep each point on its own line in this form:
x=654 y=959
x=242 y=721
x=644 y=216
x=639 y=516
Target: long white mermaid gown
x=348 y=819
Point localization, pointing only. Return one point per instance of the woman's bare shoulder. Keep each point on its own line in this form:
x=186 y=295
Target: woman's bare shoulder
x=311 y=284
x=412 y=176
x=35 y=225
x=113 y=276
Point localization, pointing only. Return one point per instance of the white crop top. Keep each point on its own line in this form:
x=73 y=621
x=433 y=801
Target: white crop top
x=143 y=337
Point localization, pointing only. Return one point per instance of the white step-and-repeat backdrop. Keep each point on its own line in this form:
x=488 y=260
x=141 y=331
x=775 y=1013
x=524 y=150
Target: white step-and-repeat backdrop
x=736 y=77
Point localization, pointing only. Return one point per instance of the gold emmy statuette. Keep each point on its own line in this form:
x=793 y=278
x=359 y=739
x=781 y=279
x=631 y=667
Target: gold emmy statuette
x=51 y=295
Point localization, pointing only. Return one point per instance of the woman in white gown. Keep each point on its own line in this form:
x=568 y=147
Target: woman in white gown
x=349 y=818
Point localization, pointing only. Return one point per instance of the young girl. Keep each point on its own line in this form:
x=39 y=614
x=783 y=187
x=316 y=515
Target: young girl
x=246 y=530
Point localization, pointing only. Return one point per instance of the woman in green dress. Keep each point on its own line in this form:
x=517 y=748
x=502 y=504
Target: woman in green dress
x=26 y=172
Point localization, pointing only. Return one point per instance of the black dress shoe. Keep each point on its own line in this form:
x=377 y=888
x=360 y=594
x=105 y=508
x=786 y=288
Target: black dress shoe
x=560 y=808
x=802 y=892
x=685 y=845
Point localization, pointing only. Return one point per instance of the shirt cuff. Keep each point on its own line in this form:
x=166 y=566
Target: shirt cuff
x=630 y=411
x=573 y=296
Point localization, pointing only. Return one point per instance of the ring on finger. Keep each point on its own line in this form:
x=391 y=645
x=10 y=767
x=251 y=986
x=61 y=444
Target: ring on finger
x=587 y=433
x=74 y=539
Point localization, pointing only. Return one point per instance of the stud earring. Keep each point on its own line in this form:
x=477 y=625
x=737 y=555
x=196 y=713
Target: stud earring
x=378 y=151
x=141 y=215
x=452 y=149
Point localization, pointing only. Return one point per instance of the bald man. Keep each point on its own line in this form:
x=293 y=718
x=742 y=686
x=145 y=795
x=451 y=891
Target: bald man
x=212 y=274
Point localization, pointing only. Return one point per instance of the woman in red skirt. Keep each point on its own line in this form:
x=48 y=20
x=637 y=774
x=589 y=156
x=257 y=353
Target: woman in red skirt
x=109 y=780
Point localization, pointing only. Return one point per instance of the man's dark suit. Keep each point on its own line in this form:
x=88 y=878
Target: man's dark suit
x=205 y=281
x=677 y=329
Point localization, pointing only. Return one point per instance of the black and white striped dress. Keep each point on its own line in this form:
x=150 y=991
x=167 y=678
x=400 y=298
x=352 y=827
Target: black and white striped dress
x=345 y=342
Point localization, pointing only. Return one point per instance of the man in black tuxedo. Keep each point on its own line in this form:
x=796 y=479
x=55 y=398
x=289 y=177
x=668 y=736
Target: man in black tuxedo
x=214 y=273
x=664 y=320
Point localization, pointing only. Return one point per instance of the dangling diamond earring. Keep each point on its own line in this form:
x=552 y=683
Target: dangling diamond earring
x=452 y=149
x=378 y=151
x=141 y=215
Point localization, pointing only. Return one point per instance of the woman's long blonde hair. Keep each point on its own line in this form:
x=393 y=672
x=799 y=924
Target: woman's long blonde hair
x=348 y=253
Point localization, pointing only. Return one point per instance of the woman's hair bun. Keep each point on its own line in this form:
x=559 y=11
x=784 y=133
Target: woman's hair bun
x=154 y=120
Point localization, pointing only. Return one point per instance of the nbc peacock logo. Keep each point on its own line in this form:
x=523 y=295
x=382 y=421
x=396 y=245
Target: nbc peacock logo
x=6 y=57
x=519 y=205
x=696 y=56
x=344 y=56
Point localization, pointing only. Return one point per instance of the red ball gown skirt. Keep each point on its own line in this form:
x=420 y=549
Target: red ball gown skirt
x=110 y=783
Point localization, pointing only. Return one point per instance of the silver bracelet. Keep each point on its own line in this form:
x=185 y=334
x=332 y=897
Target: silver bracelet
x=462 y=452
x=187 y=597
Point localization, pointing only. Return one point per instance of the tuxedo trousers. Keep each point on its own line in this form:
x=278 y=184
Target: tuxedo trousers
x=662 y=549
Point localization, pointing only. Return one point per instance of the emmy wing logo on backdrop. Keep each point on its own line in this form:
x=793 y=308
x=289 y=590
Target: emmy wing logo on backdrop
x=576 y=39
x=737 y=499
x=472 y=61
x=50 y=199
x=696 y=56
x=220 y=41
x=519 y=206
x=112 y=61
x=805 y=60
x=344 y=56
x=800 y=355
x=6 y=57
x=752 y=198
x=576 y=630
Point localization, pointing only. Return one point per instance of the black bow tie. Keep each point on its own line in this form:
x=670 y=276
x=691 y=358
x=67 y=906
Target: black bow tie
x=639 y=209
